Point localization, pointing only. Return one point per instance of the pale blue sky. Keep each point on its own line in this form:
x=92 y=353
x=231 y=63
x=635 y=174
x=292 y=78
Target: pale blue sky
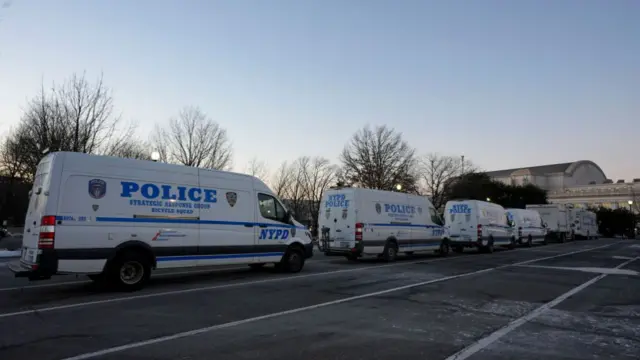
x=507 y=83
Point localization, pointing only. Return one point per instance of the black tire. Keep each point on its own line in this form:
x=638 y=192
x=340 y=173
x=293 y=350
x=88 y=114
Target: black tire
x=512 y=244
x=529 y=241
x=256 y=266
x=129 y=271
x=390 y=251
x=457 y=249
x=544 y=240
x=489 y=247
x=563 y=237
x=293 y=260
x=445 y=248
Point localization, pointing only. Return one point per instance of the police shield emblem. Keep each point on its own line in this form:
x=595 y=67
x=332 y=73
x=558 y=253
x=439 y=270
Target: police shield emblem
x=420 y=210
x=95 y=207
x=232 y=198
x=97 y=188
x=327 y=213
x=378 y=208
x=344 y=213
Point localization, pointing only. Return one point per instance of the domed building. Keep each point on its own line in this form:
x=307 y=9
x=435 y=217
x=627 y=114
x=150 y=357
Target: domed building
x=581 y=183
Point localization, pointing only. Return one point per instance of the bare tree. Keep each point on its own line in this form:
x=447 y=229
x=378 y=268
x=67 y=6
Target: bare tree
x=130 y=149
x=379 y=159
x=437 y=171
x=76 y=116
x=12 y=163
x=282 y=179
x=193 y=139
x=257 y=168
x=318 y=176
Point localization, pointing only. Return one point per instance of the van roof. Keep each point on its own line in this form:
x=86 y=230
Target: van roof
x=106 y=160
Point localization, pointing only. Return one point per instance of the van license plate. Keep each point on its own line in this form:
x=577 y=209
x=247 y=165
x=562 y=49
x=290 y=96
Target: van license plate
x=345 y=244
x=29 y=255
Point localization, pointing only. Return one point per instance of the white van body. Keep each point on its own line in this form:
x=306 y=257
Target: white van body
x=557 y=219
x=474 y=223
x=528 y=225
x=585 y=224
x=86 y=213
x=356 y=222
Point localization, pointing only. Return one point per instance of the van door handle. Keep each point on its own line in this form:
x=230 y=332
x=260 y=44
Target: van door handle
x=248 y=225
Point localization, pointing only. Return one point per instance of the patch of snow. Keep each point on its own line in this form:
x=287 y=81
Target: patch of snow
x=9 y=254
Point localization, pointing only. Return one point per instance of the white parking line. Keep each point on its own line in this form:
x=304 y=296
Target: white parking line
x=264 y=281
x=496 y=335
x=296 y=310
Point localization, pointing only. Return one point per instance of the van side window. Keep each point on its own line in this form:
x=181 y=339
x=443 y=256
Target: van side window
x=271 y=209
x=434 y=217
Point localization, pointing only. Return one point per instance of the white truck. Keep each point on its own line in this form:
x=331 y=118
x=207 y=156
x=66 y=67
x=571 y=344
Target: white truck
x=529 y=226
x=557 y=218
x=585 y=224
x=356 y=222
x=478 y=224
x=117 y=219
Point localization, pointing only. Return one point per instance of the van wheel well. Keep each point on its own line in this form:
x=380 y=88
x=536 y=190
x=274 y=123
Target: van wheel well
x=138 y=249
x=393 y=240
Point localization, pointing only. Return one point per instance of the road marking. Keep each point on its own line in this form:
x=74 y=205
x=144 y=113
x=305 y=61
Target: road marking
x=496 y=335
x=153 y=276
x=293 y=311
x=214 y=270
x=623 y=257
x=261 y=281
x=597 y=270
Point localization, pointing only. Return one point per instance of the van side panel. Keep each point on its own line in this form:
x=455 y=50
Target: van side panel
x=115 y=203
x=393 y=219
x=227 y=226
x=426 y=235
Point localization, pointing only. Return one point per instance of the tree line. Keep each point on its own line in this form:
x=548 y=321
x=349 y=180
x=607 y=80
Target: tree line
x=79 y=115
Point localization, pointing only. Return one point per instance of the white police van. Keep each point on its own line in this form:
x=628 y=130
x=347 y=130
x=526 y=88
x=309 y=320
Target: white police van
x=478 y=224
x=585 y=224
x=117 y=219
x=529 y=226
x=356 y=222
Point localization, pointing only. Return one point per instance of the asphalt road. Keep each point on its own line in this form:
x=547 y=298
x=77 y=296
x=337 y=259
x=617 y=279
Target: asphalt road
x=579 y=300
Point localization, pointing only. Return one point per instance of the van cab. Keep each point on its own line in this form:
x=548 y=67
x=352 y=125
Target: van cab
x=530 y=228
x=478 y=224
x=117 y=219
x=356 y=222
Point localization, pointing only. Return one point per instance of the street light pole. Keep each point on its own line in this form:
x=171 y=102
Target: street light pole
x=633 y=219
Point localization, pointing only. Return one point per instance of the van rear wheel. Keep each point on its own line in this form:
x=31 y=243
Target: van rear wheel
x=390 y=251
x=529 y=241
x=129 y=271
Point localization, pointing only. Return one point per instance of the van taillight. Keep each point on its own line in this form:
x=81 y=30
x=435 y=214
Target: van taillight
x=479 y=231
x=47 y=232
x=359 y=229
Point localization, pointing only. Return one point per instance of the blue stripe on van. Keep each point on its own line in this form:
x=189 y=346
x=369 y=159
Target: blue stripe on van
x=215 y=257
x=406 y=225
x=194 y=221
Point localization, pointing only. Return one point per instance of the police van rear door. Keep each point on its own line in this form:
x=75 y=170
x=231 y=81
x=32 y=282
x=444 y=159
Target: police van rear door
x=337 y=216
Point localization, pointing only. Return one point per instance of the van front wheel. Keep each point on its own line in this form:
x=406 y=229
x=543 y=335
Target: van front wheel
x=129 y=271
x=293 y=260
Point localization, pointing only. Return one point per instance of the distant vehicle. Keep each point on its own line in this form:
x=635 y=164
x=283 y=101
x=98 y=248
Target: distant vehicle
x=356 y=222
x=529 y=226
x=585 y=224
x=478 y=224
x=117 y=219
x=557 y=219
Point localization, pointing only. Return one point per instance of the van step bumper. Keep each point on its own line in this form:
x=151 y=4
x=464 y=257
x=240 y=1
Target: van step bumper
x=23 y=271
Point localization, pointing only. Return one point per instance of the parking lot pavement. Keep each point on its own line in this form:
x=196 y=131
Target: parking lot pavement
x=477 y=306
